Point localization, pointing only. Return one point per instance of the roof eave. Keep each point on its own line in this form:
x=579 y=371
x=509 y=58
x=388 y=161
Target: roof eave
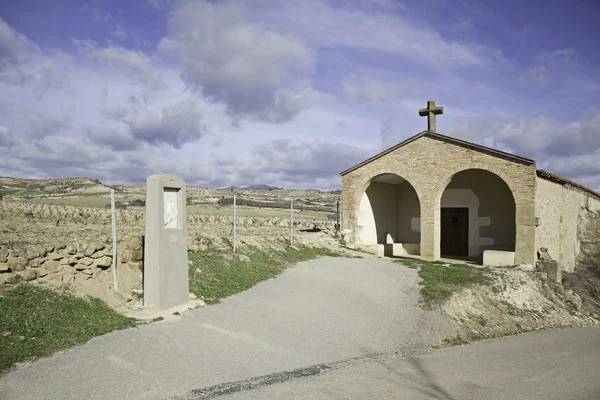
x=450 y=139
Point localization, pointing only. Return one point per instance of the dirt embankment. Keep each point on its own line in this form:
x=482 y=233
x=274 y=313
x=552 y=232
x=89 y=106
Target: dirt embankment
x=516 y=302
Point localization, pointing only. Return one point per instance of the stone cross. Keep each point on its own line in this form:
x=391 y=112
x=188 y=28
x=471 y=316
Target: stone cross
x=165 y=244
x=431 y=111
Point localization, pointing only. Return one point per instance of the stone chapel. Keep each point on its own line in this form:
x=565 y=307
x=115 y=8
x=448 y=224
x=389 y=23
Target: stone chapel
x=436 y=196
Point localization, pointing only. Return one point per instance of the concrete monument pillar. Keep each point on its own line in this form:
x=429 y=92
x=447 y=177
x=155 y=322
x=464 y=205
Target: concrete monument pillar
x=165 y=246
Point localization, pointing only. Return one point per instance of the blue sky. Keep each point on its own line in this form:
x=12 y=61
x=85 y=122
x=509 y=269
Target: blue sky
x=290 y=93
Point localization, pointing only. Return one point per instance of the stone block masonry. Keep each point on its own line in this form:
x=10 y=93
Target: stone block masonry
x=428 y=164
x=65 y=263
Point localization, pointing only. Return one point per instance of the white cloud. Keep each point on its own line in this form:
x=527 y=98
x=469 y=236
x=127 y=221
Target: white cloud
x=373 y=28
x=570 y=149
x=6 y=137
x=118 y=31
x=371 y=90
x=41 y=125
x=175 y=125
x=12 y=43
x=537 y=75
x=255 y=72
x=134 y=63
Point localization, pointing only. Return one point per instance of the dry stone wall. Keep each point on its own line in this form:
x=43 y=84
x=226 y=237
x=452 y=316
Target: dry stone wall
x=72 y=244
x=66 y=263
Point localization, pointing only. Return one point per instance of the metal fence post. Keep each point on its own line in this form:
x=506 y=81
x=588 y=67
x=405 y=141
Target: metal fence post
x=234 y=222
x=114 y=238
x=292 y=222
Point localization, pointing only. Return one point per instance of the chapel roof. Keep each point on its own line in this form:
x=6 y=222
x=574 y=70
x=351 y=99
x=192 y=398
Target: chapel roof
x=448 y=139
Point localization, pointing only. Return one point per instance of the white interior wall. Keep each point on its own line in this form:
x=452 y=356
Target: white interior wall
x=366 y=232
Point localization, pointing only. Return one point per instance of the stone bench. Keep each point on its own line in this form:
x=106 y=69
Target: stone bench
x=498 y=258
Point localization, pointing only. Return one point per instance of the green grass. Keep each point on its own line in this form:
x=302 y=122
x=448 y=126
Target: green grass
x=220 y=278
x=440 y=280
x=36 y=322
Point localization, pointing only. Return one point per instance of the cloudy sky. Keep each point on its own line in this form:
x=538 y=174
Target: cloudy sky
x=290 y=93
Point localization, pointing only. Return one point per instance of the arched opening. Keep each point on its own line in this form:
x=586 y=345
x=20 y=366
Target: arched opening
x=477 y=214
x=389 y=214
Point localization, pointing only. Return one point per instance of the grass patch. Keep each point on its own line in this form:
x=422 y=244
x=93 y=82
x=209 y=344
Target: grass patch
x=215 y=276
x=441 y=279
x=36 y=322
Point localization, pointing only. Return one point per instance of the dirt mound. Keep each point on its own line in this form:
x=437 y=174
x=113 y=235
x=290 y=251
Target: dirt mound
x=517 y=302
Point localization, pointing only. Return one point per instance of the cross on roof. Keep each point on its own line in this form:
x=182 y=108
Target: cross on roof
x=431 y=111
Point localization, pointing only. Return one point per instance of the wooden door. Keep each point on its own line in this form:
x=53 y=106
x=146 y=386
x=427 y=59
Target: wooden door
x=455 y=231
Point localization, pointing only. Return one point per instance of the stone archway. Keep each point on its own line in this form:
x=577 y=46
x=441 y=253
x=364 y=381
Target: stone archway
x=477 y=213
x=388 y=216
x=523 y=210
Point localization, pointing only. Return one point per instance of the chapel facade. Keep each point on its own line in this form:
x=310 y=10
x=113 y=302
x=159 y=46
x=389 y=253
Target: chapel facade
x=436 y=196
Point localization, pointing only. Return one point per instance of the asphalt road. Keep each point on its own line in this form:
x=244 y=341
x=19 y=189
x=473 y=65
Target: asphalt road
x=561 y=364
x=315 y=313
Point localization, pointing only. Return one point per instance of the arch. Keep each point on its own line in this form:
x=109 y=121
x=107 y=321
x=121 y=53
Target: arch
x=362 y=187
x=443 y=182
x=388 y=215
x=479 y=213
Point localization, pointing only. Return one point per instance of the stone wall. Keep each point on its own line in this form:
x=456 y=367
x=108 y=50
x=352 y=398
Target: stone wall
x=561 y=211
x=66 y=263
x=66 y=244
x=588 y=236
x=429 y=164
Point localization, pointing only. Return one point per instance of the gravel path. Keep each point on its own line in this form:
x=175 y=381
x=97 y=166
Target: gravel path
x=317 y=312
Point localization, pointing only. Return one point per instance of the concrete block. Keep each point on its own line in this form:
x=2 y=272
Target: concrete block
x=498 y=258
x=553 y=269
x=165 y=245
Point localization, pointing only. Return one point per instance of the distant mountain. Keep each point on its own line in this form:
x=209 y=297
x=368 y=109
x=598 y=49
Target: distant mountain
x=252 y=187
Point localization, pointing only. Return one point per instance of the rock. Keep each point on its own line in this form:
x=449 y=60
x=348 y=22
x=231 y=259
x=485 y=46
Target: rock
x=17 y=263
x=41 y=272
x=3 y=255
x=524 y=267
x=89 y=251
x=87 y=261
x=13 y=279
x=243 y=258
x=79 y=255
x=134 y=244
x=35 y=263
x=99 y=254
x=54 y=256
x=71 y=249
x=51 y=265
x=49 y=249
x=81 y=278
x=15 y=252
x=136 y=255
x=103 y=262
x=87 y=271
x=68 y=278
x=133 y=265
x=81 y=267
x=4 y=267
x=33 y=252
x=61 y=247
x=29 y=275
x=573 y=299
